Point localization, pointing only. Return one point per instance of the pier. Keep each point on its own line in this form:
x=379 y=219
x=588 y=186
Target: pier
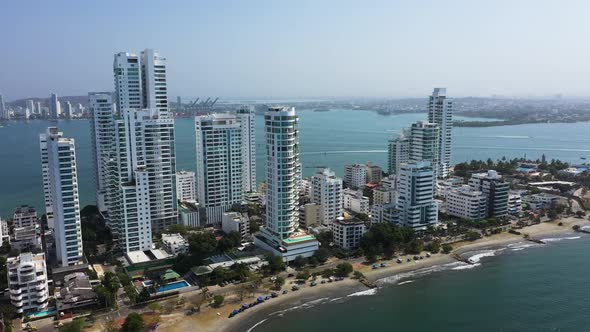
x=461 y=259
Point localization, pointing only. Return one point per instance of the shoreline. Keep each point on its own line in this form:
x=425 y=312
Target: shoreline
x=209 y=320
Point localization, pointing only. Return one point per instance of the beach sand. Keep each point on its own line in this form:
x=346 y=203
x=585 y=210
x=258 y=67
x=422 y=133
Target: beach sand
x=211 y=319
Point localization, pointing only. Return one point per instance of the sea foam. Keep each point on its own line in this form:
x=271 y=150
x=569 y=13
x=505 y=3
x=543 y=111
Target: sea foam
x=367 y=292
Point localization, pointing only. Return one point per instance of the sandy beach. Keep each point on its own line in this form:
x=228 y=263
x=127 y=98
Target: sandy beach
x=215 y=319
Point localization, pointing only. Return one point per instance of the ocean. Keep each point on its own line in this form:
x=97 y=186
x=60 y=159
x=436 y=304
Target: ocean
x=331 y=139
x=523 y=287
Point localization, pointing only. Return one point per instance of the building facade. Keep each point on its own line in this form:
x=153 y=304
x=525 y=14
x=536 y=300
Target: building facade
x=415 y=204
x=27 y=282
x=463 y=202
x=355 y=176
x=440 y=112
x=219 y=164
x=247 y=118
x=102 y=112
x=54 y=106
x=64 y=196
x=354 y=201
x=175 y=244
x=495 y=190
x=186 y=186
x=347 y=232
x=398 y=152
x=327 y=193
x=236 y=222
x=24 y=216
x=280 y=235
x=424 y=143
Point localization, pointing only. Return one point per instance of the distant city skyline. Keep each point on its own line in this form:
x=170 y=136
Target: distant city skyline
x=304 y=49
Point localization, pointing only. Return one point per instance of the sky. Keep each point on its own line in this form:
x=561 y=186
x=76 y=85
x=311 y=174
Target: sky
x=302 y=49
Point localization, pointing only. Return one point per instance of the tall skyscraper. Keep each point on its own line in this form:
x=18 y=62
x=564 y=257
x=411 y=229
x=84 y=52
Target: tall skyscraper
x=31 y=106
x=63 y=191
x=440 y=111
x=39 y=108
x=219 y=163
x=424 y=140
x=141 y=196
x=68 y=110
x=54 y=106
x=102 y=134
x=4 y=115
x=46 y=180
x=153 y=81
x=398 y=152
x=281 y=236
x=415 y=205
x=248 y=124
x=327 y=193
x=133 y=146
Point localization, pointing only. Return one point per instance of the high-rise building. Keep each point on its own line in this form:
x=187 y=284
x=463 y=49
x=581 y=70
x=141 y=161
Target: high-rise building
x=280 y=235
x=46 y=180
x=54 y=106
x=68 y=110
x=327 y=193
x=374 y=173
x=495 y=190
x=27 y=280
x=355 y=175
x=65 y=201
x=39 y=108
x=153 y=81
x=141 y=193
x=31 y=106
x=4 y=115
x=398 y=152
x=424 y=143
x=415 y=205
x=102 y=134
x=186 y=186
x=127 y=70
x=464 y=202
x=440 y=112
x=248 y=124
x=219 y=164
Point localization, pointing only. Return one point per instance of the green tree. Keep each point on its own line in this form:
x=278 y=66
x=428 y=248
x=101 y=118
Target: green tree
x=254 y=227
x=415 y=247
x=133 y=323
x=299 y=261
x=322 y=254
x=74 y=326
x=218 y=301
x=278 y=283
x=154 y=306
x=447 y=248
x=8 y=312
x=343 y=269
x=177 y=228
x=472 y=236
x=433 y=246
x=229 y=241
x=275 y=264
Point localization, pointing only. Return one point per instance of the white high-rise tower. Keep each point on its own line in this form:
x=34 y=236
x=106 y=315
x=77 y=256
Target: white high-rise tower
x=398 y=152
x=153 y=81
x=63 y=192
x=283 y=173
x=54 y=106
x=248 y=124
x=101 y=131
x=440 y=112
x=415 y=205
x=219 y=163
x=424 y=140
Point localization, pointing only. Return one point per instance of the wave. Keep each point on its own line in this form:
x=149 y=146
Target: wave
x=477 y=257
x=367 y=292
x=305 y=305
x=557 y=239
x=406 y=282
x=252 y=328
x=466 y=266
x=521 y=246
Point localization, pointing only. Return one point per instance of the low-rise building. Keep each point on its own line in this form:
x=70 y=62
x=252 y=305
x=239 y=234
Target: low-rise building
x=75 y=294
x=26 y=238
x=235 y=222
x=355 y=201
x=514 y=204
x=463 y=202
x=495 y=190
x=175 y=244
x=4 y=234
x=310 y=215
x=537 y=202
x=383 y=195
x=189 y=214
x=27 y=282
x=347 y=232
x=374 y=173
x=24 y=216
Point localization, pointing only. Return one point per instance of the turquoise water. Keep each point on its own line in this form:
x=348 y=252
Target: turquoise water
x=172 y=286
x=544 y=288
x=330 y=139
x=40 y=314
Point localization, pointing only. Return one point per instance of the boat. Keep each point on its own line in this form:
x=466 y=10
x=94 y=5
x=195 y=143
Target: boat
x=321 y=110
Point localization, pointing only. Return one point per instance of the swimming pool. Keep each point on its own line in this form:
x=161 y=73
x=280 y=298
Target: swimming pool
x=48 y=312
x=172 y=286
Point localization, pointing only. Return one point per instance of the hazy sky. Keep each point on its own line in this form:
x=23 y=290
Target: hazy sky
x=302 y=48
